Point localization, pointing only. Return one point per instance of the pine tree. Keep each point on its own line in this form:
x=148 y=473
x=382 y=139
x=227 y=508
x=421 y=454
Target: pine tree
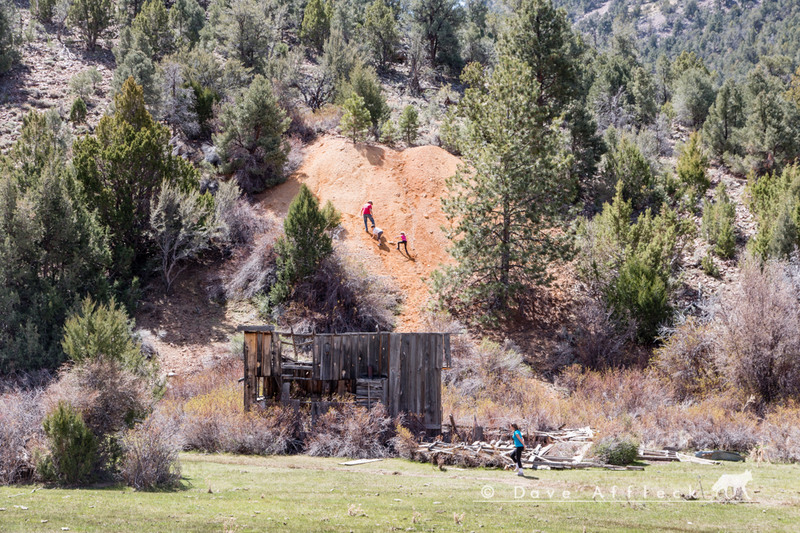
x=153 y=23
x=508 y=194
x=438 y=22
x=718 y=224
x=304 y=245
x=8 y=36
x=364 y=82
x=541 y=36
x=692 y=164
x=356 y=119
x=725 y=117
x=123 y=166
x=380 y=31
x=186 y=18
x=316 y=23
x=92 y=18
x=251 y=141
x=409 y=124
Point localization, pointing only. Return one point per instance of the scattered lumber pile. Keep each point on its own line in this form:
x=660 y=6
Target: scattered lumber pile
x=563 y=449
x=646 y=454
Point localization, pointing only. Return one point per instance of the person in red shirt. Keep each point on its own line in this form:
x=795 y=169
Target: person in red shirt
x=367 y=212
x=404 y=241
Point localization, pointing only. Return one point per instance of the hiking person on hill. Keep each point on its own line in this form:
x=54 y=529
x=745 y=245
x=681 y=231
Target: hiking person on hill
x=519 y=445
x=377 y=233
x=367 y=212
x=404 y=241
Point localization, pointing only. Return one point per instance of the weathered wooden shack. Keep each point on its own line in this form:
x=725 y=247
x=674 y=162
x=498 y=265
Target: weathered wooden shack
x=401 y=370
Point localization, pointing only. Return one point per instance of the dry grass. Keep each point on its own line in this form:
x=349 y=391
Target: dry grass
x=207 y=407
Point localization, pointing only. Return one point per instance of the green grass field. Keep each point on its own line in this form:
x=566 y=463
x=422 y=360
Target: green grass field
x=299 y=493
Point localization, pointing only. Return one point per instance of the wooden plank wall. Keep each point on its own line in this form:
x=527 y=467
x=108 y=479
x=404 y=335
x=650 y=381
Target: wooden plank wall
x=411 y=363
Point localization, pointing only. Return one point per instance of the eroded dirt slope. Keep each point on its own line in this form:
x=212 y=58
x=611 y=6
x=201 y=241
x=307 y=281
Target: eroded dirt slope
x=405 y=188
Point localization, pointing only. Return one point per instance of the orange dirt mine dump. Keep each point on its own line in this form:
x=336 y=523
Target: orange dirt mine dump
x=405 y=188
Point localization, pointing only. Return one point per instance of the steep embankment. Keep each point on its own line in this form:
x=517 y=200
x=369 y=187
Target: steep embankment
x=405 y=188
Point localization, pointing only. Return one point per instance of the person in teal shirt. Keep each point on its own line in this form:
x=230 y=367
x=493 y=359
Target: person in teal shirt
x=519 y=445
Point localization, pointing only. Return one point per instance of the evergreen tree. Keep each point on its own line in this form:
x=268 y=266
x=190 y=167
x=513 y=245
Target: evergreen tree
x=134 y=60
x=694 y=94
x=316 y=23
x=364 y=82
x=303 y=246
x=624 y=165
x=508 y=194
x=152 y=22
x=725 y=117
x=541 y=36
x=53 y=252
x=775 y=201
x=251 y=141
x=122 y=167
x=628 y=263
x=77 y=113
x=771 y=133
x=92 y=18
x=692 y=164
x=409 y=124
x=249 y=29
x=438 y=22
x=102 y=330
x=356 y=118
x=8 y=36
x=380 y=31
x=718 y=224
x=186 y=18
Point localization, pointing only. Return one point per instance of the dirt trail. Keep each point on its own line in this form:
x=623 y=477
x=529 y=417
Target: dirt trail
x=405 y=188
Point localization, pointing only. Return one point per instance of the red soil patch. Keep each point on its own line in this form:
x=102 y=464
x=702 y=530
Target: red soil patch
x=405 y=188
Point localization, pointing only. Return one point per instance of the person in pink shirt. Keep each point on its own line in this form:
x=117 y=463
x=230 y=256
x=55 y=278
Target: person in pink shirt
x=402 y=240
x=366 y=211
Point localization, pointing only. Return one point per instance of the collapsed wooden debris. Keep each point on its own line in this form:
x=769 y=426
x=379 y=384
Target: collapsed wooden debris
x=556 y=450
x=652 y=455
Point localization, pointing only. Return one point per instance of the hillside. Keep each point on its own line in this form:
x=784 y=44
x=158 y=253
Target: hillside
x=405 y=188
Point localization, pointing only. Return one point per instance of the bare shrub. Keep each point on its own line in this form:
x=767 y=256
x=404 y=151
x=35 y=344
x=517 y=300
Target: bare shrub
x=108 y=396
x=323 y=120
x=342 y=296
x=687 y=359
x=758 y=333
x=295 y=156
x=599 y=340
x=256 y=274
x=216 y=422
x=779 y=434
x=239 y=221
x=150 y=457
x=20 y=433
x=404 y=442
x=352 y=431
